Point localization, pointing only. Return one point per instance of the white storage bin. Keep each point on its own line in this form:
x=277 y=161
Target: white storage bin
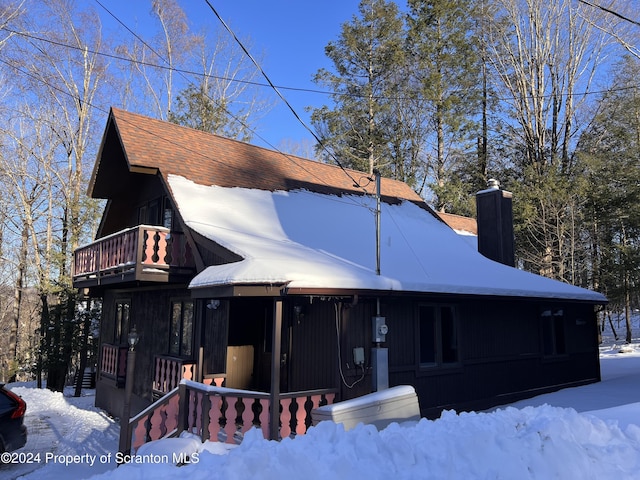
x=396 y=404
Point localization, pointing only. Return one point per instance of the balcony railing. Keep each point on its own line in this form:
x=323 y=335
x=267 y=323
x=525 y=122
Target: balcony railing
x=113 y=364
x=142 y=253
x=222 y=414
x=170 y=371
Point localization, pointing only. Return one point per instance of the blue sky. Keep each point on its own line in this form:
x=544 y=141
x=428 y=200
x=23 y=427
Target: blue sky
x=290 y=36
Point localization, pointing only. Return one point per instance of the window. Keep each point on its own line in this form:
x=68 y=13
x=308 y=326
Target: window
x=123 y=314
x=553 y=333
x=158 y=211
x=167 y=215
x=438 y=335
x=181 y=328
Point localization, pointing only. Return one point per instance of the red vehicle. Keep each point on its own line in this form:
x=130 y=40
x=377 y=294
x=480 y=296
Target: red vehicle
x=13 y=433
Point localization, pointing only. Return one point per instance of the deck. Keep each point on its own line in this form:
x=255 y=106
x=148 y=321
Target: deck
x=140 y=254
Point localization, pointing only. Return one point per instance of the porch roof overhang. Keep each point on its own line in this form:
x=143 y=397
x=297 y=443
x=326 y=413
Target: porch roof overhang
x=227 y=291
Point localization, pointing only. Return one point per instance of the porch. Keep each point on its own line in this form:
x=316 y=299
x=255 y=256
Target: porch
x=223 y=414
x=142 y=253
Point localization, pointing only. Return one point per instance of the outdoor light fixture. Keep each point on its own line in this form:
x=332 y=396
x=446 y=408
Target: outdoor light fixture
x=133 y=338
x=213 y=304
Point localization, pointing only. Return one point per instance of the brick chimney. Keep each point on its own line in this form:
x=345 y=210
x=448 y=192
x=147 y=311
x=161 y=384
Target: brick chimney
x=495 y=223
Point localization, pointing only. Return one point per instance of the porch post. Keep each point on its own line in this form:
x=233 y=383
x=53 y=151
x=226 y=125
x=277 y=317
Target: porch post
x=276 y=346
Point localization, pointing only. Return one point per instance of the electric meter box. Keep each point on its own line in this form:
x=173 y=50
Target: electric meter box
x=396 y=404
x=380 y=329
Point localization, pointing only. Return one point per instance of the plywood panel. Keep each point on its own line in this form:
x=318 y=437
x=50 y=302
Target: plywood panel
x=239 y=366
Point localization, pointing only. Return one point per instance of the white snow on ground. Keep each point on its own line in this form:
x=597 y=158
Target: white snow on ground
x=590 y=432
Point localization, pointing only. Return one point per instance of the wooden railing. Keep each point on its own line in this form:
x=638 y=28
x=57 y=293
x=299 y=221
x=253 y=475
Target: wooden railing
x=168 y=373
x=139 y=252
x=113 y=363
x=222 y=414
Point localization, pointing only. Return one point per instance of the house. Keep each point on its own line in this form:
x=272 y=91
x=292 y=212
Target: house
x=257 y=270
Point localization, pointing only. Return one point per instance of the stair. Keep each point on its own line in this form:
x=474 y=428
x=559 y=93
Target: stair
x=88 y=378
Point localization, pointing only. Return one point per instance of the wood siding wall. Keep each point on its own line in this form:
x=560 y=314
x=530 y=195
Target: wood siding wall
x=150 y=313
x=500 y=345
x=500 y=350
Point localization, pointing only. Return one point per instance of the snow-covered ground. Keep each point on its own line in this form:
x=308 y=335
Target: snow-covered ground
x=590 y=432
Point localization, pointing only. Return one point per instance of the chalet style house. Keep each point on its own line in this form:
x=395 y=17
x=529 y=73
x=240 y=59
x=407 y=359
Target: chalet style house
x=254 y=270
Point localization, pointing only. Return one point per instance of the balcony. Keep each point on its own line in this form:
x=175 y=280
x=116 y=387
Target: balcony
x=143 y=253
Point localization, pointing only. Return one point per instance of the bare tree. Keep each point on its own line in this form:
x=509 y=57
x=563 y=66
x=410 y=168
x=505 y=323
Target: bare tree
x=153 y=65
x=546 y=54
x=224 y=99
x=62 y=74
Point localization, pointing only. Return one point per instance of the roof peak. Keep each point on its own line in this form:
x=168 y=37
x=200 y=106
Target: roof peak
x=211 y=159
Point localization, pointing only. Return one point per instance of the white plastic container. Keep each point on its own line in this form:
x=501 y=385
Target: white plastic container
x=396 y=404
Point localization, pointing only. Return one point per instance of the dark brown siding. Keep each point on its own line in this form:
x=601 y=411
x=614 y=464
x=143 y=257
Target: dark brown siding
x=214 y=339
x=310 y=341
x=501 y=356
x=150 y=314
x=122 y=211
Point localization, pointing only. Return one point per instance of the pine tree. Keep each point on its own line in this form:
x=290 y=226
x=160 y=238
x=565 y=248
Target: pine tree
x=360 y=131
x=446 y=76
x=610 y=149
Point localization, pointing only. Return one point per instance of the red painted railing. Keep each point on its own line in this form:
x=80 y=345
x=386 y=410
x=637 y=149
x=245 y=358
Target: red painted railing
x=113 y=363
x=136 y=251
x=222 y=414
x=168 y=373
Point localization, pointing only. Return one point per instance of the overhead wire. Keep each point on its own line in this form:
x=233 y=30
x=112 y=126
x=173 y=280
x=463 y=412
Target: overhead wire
x=240 y=121
x=279 y=87
x=282 y=97
x=610 y=11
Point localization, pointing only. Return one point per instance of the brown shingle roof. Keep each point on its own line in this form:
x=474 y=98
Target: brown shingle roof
x=209 y=159
x=460 y=223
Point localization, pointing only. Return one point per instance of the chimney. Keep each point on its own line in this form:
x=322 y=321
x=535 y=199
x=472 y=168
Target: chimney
x=495 y=223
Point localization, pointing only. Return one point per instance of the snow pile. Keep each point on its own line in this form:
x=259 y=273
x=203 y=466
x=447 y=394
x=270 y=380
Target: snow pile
x=536 y=443
x=528 y=440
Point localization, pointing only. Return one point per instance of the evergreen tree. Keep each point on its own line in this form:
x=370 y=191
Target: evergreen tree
x=361 y=131
x=446 y=76
x=610 y=149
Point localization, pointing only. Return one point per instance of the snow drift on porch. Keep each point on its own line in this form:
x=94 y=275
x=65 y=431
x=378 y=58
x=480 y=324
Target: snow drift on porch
x=311 y=240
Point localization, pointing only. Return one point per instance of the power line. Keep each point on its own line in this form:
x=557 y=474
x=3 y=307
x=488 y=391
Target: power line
x=275 y=89
x=172 y=68
x=612 y=12
x=261 y=84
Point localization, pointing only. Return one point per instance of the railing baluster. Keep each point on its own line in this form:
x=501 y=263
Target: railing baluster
x=301 y=416
x=215 y=413
x=222 y=414
x=230 y=419
x=173 y=408
x=285 y=418
x=264 y=417
x=156 y=421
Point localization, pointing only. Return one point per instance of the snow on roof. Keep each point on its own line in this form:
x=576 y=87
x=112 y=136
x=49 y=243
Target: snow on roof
x=310 y=240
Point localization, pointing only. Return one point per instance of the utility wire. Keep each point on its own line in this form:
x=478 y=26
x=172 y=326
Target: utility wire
x=286 y=102
x=261 y=84
x=612 y=12
x=240 y=121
